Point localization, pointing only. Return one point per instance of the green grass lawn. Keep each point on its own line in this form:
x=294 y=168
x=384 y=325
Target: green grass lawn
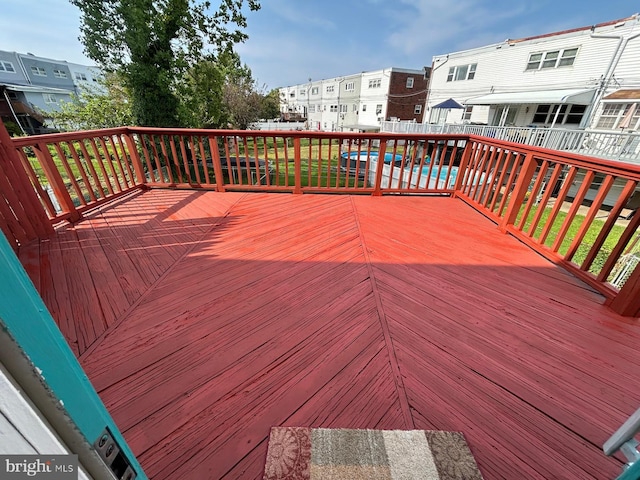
x=587 y=242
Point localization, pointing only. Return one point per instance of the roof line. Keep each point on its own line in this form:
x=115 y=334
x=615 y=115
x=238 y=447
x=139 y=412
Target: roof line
x=573 y=30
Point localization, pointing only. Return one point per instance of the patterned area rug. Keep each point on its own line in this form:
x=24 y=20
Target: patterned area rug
x=317 y=453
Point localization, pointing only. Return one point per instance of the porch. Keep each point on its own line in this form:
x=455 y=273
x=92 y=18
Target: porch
x=206 y=308
x=204 y=318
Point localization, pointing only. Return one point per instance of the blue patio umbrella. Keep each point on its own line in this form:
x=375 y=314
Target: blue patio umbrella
x=451 y=103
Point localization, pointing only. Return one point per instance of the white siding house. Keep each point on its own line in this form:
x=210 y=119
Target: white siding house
x=552 y=80
x=358 y=101
x=373 y=97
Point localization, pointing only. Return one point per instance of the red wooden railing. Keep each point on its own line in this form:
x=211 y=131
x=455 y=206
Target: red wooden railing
x=566 y=207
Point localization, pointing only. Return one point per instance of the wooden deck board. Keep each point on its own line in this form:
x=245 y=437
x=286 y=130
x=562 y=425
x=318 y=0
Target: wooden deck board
x=223 y=314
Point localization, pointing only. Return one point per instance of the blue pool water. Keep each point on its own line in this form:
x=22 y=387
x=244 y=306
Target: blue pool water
x=362 y=156
x=434 y=172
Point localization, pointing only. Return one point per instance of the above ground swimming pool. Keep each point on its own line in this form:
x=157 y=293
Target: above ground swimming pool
x=350 y=161
x=442 y=178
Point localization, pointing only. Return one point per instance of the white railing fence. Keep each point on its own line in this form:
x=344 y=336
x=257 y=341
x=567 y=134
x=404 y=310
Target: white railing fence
x=610 y=145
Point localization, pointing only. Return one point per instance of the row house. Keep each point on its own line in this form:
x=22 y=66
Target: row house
x=31 y=87
x=586 y=77
x=357 y=102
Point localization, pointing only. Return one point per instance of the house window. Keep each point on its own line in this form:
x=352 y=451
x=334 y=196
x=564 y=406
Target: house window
x=312 y=109
x=80 y=76
x=39 y=71
x=350 y=86
x=330 y=88
x=568 y=57
x=303 y=92
x=452 y=72
x=333 y=108
x=575 y=114
x=534 y=61
x=354 y=108
x=375 y=83
x=417 y=110
x=364 y=108
x=49 y=98
x=472 y=71
x=566 y=114
x=468 y=110
x=59 y=73
x=292 y=94
x=610 y=115
x=378 y=109
x=552 y=59
x=613 y=114
x=7 y=67
x=314 y=91
x=462 y=72
x=542 y=113
x=409 y=82
x=344 y=108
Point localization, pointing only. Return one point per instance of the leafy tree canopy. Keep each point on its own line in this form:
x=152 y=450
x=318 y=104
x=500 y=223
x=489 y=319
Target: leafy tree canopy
x=154 y=43
x=105 y=107
x=271 y=104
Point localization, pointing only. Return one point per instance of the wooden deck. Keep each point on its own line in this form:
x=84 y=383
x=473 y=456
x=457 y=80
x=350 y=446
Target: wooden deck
x=205 y=318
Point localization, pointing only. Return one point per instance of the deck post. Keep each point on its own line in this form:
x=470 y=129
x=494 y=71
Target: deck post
x=464 y=163
x=11 y=164
x=519 y=192
x=297 y=188
x=55 y=180
x=135 y=158
x=627 y=302
x=377 y=189
x=215 y=160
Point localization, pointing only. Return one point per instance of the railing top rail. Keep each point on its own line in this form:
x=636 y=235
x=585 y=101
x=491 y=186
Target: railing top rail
x=614 y=167
x=66 y=136
x=296 y=133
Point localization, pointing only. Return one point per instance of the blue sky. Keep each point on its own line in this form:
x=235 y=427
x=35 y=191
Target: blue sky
x=291 y=41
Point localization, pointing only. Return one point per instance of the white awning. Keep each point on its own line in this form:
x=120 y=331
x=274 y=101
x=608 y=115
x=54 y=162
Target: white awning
x=37 y=89
x=575 y=96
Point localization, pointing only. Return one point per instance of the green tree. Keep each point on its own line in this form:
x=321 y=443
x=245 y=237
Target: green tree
x=153 y=43
x=241 y=99
x=105 y=107
x=243 y=103
x=201 y=104
x=271 y=104
x=219 y=92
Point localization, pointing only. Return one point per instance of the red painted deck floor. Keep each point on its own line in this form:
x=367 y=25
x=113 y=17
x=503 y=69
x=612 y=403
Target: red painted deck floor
x=205 y=318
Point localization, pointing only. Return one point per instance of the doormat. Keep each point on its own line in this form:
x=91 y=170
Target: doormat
x=297 y=453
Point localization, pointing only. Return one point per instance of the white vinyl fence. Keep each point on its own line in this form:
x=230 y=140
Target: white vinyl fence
x=610 y=145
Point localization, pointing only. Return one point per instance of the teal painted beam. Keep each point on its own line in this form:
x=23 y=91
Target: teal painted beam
x=631 y=473
x=26 y=318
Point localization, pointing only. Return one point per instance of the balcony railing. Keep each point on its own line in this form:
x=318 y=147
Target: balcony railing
x=622 y=146
x=568 y=207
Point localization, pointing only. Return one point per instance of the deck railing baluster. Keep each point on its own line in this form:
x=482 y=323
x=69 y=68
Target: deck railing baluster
x=496 y=177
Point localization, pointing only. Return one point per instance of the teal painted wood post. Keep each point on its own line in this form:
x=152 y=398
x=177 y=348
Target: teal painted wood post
x=631 y=472
x=25 y=317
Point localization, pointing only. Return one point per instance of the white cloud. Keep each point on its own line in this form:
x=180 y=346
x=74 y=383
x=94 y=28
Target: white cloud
x=435 y=25
x=299 y=13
